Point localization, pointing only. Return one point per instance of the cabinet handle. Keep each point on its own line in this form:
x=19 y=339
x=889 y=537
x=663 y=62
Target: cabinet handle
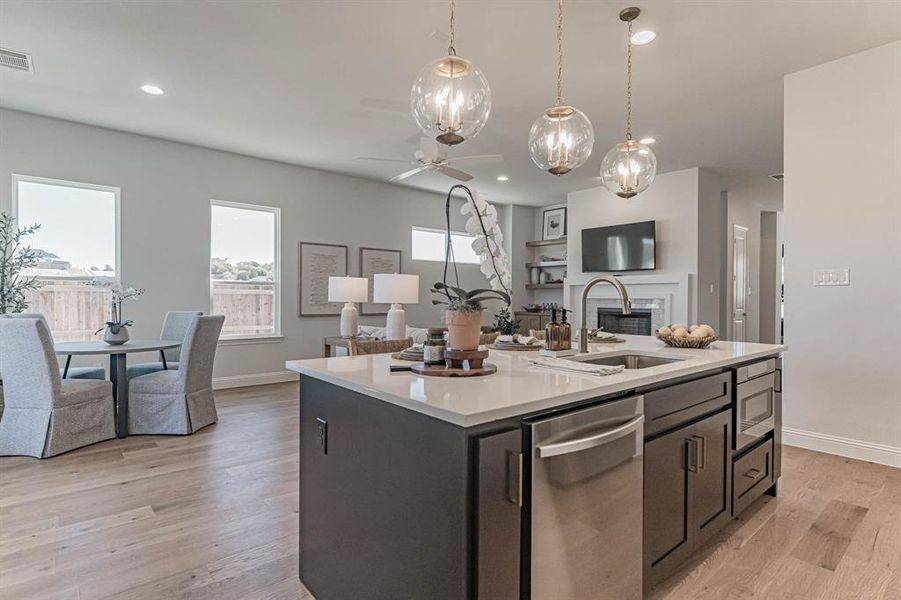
x=514 y=477
x=752 y=473
x=701 y=452
x=691 y=455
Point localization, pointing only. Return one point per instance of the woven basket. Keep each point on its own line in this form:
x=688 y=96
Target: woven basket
x=686 y=342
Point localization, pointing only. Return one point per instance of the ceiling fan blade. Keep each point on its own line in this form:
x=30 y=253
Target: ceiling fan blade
x=482 y=157
x=409 y=173
x=385 y=104
x=455 y=173
x=376 y=158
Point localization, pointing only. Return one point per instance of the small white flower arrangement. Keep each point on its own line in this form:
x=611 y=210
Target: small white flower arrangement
x=119 y=293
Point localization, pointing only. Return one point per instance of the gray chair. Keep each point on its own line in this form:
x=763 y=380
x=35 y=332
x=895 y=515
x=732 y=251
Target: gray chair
x=175 y=326
x=179 y=402
x=73 y=372
x=44 y=414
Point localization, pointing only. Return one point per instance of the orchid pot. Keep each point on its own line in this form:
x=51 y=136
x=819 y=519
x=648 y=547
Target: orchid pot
x=115 y=334
x=464 y=327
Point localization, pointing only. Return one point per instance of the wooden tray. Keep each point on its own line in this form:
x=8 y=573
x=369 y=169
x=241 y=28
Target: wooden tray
x=443 y=371
x=517 y=347
x=397 y=356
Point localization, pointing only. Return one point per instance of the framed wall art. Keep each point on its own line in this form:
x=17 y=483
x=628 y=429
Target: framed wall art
x=316 y=263
x=377 y=260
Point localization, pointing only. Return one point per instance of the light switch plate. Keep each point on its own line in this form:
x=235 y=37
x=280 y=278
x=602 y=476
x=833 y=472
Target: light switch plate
x=831 y=277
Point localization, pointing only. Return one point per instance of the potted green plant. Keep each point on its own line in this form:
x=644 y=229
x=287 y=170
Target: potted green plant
x=15 y=258
x=463 y=314
x=504 y=323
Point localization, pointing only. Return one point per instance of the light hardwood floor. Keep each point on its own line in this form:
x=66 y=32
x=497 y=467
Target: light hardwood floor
x=214 y=515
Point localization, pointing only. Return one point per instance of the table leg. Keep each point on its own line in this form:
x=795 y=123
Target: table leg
x=66 y=368
x=120 y=392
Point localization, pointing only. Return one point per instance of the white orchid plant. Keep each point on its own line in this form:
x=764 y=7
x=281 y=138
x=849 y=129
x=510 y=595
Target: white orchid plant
x=119 y=294
x=488 y=245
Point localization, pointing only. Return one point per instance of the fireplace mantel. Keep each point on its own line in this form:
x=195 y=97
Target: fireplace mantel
x=672 y=290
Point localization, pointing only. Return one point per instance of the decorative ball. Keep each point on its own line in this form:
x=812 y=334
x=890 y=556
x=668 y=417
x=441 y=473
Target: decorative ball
x=665 y=331
x=681 y=332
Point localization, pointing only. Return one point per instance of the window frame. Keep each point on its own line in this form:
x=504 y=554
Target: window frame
x=443 y=232
x=117 y=194
x=276 y=335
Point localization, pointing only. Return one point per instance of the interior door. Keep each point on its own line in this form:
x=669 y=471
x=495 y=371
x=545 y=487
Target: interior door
x=741 y=290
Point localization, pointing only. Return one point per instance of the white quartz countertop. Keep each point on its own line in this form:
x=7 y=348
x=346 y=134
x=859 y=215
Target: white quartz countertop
x=517 y=388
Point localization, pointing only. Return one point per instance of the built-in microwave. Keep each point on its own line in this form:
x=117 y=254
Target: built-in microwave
x=755 y=403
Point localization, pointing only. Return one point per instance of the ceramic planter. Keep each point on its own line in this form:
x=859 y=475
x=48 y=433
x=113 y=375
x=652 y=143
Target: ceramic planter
x=115 y=335
x=463 y=329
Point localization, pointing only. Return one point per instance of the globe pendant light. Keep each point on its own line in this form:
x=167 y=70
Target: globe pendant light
x=562 y=138
x=450 y=99
x=630 y=167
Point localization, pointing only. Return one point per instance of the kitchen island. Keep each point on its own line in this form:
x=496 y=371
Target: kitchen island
x=531 y=482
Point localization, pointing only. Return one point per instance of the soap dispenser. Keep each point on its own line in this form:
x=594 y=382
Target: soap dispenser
x=552 y=333
x=566 y=331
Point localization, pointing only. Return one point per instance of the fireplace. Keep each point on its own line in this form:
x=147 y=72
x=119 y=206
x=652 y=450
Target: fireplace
x=612 y=320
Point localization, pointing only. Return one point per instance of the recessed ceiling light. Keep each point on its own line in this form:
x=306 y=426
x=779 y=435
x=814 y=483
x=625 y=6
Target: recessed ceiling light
x=151 y=89
x=640 y=38
x=647 y=140
x=503 y=178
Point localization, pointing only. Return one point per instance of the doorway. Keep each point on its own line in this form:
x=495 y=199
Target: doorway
x=741 y=291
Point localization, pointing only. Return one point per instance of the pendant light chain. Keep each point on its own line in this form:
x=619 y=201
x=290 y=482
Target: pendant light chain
x=453 y=26
x=559 y=52
x=629 y=87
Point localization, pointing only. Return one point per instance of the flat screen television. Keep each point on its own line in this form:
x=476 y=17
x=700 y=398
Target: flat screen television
x=628 y=247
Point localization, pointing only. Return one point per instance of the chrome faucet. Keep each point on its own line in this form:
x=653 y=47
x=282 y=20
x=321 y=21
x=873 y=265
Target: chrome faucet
x=623 y=294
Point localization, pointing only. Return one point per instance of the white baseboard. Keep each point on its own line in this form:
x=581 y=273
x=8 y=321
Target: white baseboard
x=833 y=444
x=236 y=381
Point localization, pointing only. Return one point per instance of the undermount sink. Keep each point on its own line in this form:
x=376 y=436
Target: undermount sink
x=630 y=361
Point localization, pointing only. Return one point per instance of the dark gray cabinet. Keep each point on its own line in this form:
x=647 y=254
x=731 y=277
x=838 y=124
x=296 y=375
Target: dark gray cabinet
x=687 y=490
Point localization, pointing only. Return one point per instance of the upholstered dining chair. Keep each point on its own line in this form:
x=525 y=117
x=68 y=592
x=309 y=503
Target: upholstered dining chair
x=45 y=415
x=73 y=372
x=486 y=339
x=357 y=347
x=175 y=326
x=179 y=402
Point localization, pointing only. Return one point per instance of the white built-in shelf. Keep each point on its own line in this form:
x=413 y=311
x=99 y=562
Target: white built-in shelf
x=547 y=263
x=557 y=242
x=544 y=286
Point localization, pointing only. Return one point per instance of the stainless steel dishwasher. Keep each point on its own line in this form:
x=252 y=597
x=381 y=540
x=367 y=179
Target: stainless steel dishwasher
x=586 y=503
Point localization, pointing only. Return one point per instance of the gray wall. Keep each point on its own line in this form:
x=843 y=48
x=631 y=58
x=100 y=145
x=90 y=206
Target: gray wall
x=842 y=390
x=166 y=190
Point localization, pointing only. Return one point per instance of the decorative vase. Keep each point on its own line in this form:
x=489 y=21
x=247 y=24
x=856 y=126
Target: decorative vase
x=115 y=335
x=463 y=329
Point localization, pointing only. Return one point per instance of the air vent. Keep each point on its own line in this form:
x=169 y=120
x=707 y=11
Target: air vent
x=777 y=176
x=16 y=60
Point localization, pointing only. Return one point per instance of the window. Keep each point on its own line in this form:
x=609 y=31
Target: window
x=77 y=242
x=429 y=244
x=244 y=268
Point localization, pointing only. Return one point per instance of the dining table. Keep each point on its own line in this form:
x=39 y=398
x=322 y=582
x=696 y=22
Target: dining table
x=117 y=367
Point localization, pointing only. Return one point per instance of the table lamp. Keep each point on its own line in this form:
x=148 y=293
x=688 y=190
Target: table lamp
x=348 y=290
x=395 y=289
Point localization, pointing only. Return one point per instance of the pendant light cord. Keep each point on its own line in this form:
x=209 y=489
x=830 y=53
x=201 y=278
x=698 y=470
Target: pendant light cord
x=629 y=87
x=559 y=52
x=453 y=26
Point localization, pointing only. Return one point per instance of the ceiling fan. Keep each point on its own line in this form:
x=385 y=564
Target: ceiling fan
x=431 y=157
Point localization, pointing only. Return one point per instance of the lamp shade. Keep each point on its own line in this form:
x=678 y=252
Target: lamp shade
x=395 y=288
x=348 y=289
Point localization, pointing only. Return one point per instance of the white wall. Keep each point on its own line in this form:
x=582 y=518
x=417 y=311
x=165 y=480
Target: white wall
x=166 y=190
x=842 y=388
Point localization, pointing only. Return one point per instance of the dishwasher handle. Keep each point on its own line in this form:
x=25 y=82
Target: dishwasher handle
x=592 y=441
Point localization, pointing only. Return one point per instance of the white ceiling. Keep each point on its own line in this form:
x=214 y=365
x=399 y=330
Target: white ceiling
x=320 y=83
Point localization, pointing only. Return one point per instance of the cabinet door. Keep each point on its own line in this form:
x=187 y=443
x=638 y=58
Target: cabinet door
x=711 y=494
x=498 y=520
x=667 y=530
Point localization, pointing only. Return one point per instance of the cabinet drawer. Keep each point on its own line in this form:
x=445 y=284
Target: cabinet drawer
x=753 y=370
x=672 y=406
x=752 y=475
